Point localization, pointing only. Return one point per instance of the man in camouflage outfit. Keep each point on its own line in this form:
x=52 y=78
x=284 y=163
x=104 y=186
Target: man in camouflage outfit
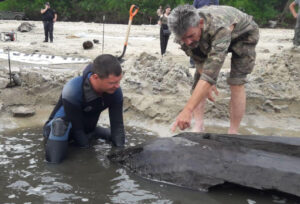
x=296 y=40
x=207 y=35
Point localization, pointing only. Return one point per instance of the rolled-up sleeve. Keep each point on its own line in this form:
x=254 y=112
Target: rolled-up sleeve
x=216 y=56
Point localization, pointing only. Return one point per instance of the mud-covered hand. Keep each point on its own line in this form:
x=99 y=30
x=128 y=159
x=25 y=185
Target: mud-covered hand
x=212 y=90
x=183 y=120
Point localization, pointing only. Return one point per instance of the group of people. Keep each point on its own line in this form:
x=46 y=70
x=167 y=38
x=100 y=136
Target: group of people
x=206 y=35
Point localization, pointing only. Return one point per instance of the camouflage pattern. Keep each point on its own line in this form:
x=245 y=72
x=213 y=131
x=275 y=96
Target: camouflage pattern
x=217 y=39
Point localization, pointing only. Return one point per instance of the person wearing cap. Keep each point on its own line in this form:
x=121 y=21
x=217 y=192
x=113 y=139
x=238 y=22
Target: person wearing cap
x=49 y=16
x=207 y=35
x=83 y=98
x=164 y=30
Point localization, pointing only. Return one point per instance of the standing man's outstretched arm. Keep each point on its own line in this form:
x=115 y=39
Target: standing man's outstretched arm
x=293 y=10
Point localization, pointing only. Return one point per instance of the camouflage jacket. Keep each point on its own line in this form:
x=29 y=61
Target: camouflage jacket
x=216 y=38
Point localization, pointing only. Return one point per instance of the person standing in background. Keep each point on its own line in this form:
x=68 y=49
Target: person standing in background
x=296 y=40
x=159 y=12
x=49 y=18
x=198 y=4
x=164 y=29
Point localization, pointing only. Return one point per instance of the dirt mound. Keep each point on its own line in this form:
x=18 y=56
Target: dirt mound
x=155 y=88
x=149 y=73
x=278 y=78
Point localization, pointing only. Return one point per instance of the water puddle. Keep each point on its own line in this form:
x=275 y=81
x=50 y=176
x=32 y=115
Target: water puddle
x=87 y=176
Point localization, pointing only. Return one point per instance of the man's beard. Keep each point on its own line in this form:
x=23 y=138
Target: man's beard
x=194 y=44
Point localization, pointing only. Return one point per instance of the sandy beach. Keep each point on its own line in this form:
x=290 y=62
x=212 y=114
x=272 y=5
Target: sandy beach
x=155 y=89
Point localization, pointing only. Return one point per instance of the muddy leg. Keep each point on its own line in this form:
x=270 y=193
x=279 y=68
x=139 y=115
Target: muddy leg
x=237 y=107
x=198 y=115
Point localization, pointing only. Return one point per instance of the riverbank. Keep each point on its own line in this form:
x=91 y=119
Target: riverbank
x=155 y=89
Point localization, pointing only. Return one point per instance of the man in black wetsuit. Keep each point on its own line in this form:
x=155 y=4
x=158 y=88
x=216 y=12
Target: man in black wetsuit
x=83 y=98
x=49 y=18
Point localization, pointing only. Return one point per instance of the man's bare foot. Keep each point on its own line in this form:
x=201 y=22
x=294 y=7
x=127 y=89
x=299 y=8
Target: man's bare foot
x=233 y=132
x=198 y=129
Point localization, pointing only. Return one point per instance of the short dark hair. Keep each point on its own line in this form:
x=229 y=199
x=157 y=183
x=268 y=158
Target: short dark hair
x=105 y=65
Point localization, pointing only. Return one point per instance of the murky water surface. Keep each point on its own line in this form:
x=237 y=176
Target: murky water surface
x=87 y=176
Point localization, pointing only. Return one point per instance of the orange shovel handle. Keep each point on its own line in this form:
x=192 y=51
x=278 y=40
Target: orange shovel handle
x=133 y=11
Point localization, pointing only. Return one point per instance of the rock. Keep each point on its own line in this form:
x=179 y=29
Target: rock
x=25 y=27
x=201 y=161
x=278 y=109
x=23 y=111
x=87 y=45
x=16 y=79
x=96 y=41
x=3 y=82
x=265 y=50
x=272 y=24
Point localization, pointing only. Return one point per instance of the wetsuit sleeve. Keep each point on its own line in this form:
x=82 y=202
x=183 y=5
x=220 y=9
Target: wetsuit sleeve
x=116 y=119
x=87 y=69
x=72 y=100
x=216 y=56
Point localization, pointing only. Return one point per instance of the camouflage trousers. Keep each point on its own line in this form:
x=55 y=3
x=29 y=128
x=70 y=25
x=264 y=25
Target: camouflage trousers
x=242 y=60
x=243 y=56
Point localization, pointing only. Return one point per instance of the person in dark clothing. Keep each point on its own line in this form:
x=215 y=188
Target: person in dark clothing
x=164 y=30
x=198 y=4
x=49 y=18
x=76 y=114
x=296 y=40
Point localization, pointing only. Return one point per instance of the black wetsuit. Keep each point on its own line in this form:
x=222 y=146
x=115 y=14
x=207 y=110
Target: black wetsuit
x=80 y=107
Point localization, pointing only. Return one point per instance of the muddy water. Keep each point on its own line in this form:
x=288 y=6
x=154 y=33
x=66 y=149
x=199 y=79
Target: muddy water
x=86 y=176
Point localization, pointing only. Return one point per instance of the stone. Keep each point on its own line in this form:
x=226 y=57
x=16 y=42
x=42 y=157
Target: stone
x=3 y=82
x=23 y=111
x=87 y=45
x=25 y=27
x=96 y=41
x=200 y=161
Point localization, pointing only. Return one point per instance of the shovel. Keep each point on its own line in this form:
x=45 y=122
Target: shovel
x=133 y=11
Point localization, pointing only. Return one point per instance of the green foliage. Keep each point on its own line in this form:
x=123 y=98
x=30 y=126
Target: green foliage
x=116 y=11
x=261 y=10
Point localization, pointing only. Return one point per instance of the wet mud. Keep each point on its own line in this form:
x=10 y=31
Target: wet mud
x=88 y=176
